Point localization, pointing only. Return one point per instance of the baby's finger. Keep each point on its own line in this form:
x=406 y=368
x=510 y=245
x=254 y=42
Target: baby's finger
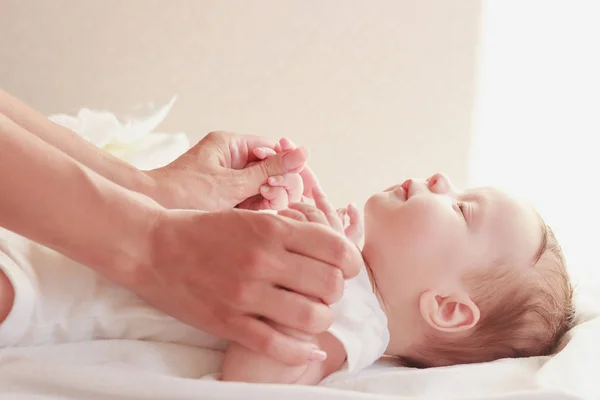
x=286 y=144
x=341 y=212
x=292 y=183
x=276 y=196
x=293 y=214
x=323 y=204
x=355 y=229
x=263 y=152
x=309 y=180
x=311 y=213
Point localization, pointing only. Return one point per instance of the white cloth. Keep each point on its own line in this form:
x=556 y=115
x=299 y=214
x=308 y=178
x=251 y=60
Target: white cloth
x=360 y=324
x=59 y=301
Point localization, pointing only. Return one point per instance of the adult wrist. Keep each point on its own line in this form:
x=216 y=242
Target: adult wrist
x=132 y=258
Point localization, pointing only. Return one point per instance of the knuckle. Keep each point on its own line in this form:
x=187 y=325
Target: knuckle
x=307 y=317
x=255 y=261
x=268 y=343
x=240 y=294
x=339 y=250
x=313 y=318
x=266 y=168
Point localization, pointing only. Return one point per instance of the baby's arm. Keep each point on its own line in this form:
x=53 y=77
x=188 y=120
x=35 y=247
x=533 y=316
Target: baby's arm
x=244 y=365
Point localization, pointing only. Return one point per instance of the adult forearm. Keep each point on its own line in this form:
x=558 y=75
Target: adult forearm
x=52 y=199
x=73 y=145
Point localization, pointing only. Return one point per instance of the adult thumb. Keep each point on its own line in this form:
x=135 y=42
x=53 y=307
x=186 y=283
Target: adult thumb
x=279 y=164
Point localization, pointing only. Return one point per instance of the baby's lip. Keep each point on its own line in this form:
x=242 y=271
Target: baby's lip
x=398 y=190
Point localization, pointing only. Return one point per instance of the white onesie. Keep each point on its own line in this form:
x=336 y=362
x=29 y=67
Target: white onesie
x=58 y=300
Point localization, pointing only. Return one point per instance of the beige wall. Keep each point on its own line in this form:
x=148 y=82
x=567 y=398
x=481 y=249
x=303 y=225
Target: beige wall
x=378 y=90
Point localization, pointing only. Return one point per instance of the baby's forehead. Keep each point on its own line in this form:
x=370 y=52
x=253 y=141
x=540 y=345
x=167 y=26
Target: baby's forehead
x=512 y=226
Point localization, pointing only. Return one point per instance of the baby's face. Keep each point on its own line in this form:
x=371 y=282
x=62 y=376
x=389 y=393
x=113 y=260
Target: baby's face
x=424 y=235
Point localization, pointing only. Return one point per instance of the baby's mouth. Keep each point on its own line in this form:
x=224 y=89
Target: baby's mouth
x=398 y=190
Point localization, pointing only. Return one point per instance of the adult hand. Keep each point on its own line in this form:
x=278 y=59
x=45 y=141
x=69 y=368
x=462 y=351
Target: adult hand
x=281 y=190
x=214 y=174
x=233 y=273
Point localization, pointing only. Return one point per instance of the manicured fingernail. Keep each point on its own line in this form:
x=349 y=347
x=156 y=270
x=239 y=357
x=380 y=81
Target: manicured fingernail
x=265 y=151
x=294 y=159
x=272 y=180
x=317 y=355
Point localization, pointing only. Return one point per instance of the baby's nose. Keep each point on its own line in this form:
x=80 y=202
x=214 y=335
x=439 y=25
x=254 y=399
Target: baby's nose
x=438 y=183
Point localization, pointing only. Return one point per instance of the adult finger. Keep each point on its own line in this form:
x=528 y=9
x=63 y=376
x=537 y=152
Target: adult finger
x=294 y=311
x=324 y=205
x=322 y=243
x=262 y=338
x=308 y=277
x=240 y=148
x=263 y=152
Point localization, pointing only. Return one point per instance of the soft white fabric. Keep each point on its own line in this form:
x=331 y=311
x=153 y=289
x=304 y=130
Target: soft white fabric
x=136 y=370
x=58 y=301
x=360 y=324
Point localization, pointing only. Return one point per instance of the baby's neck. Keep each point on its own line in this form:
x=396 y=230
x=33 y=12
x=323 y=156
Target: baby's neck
x=398 y=343
x=374 y=285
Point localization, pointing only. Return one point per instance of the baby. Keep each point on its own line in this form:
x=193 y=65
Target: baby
x=449 y=278
x=462 y=277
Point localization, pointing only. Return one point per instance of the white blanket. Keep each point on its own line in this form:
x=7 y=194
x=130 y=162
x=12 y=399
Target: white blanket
x=134 y=370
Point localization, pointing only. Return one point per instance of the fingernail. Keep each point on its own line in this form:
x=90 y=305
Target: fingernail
x=294 y=159
x=317 y=355
x=265 y=189
x=271 y=180
x=266 y=151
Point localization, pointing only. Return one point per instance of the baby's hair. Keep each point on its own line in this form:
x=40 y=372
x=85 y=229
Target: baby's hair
x=523 y=319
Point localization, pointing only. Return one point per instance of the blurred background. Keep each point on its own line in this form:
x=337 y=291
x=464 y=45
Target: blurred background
x=490 y=92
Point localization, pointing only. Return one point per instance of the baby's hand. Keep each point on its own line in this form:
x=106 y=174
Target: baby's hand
x=324 y=213
x=354 y=226
x=280 y=190
x=309 y=180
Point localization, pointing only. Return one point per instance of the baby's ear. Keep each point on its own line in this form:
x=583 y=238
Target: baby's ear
x=454 y=312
